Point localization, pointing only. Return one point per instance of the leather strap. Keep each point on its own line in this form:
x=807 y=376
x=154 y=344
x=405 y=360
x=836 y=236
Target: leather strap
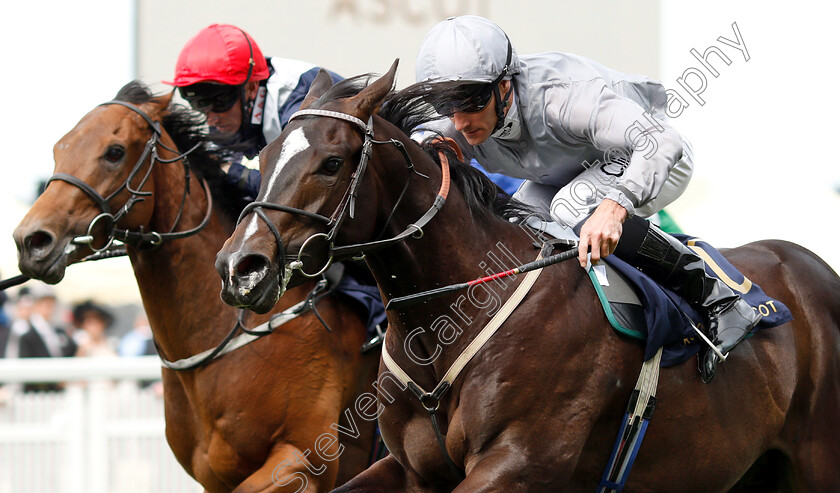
x=232 y=343
x=431 y=400
x=476 y=344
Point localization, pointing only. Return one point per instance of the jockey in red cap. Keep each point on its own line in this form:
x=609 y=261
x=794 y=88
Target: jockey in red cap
x=246 y=96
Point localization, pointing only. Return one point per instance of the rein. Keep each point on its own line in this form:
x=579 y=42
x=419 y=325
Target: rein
x=348 y=202
x=231 y=343
x=22 y=278
x=136 y=238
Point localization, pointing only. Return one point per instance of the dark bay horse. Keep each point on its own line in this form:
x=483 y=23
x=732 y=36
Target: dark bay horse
x=258 y=412
x=539 y=406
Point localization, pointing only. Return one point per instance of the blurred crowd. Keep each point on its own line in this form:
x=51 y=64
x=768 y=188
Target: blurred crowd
x=34 y=323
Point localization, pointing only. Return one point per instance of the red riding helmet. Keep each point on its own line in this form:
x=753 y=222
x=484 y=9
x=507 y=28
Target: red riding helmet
x=220 y=53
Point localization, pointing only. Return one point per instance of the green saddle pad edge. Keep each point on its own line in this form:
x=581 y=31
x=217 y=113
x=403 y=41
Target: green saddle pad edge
x=605 y=304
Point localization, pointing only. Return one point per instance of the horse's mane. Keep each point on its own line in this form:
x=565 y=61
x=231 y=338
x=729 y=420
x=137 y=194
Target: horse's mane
x=187 y=129
x=407 y=111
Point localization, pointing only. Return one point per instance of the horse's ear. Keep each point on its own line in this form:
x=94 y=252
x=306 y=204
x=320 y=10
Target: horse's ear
x=161 y=103
x=369 y=100
x=166 y=99
x=319 y=86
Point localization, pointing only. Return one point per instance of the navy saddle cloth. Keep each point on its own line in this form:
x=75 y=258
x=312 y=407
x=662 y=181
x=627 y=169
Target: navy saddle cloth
x=351 y=279
x=663 y=319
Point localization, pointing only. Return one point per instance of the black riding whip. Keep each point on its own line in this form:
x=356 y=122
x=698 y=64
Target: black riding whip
x=415 y=298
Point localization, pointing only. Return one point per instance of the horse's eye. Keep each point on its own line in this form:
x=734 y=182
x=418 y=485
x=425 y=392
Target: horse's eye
x=114 y=154
x=331 y=166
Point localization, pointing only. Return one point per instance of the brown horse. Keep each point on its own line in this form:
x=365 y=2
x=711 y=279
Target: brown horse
x=250 y=420
x=539 y=406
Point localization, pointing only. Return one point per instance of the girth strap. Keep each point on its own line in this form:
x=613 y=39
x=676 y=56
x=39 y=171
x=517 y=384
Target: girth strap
x=633 y=427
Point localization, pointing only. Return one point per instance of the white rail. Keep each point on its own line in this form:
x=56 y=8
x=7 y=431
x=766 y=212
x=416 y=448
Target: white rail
x=103 y=433
x=35 y=370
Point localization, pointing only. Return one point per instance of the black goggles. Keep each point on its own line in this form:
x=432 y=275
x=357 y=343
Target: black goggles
x=469 y=98
x=210 y=98
x=472 y=98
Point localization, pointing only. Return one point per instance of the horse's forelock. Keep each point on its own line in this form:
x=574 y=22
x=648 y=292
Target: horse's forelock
x=135 y=92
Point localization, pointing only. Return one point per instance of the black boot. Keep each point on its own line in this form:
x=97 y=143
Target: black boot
x=677 y=267
x=734 y=320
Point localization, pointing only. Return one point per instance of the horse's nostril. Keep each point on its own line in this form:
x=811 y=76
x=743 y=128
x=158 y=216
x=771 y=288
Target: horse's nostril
x=39 y=241
x=251 y=264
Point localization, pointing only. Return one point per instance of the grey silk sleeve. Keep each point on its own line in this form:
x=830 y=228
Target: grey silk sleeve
x=624 y=131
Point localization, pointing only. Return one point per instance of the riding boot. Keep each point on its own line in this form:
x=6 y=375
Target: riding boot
x=677 y=267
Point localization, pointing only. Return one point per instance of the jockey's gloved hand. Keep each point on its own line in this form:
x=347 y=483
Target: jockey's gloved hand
x=243 y=181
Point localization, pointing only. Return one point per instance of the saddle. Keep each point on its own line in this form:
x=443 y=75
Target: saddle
x=638 y=307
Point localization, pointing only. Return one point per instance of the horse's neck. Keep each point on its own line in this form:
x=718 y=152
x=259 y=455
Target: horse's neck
x=177 y=280
x=456 y=246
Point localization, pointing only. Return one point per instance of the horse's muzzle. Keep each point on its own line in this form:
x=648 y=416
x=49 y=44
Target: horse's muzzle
x=40 y=256
x=248 y=281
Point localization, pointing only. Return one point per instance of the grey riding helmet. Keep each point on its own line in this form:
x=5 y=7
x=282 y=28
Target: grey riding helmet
x=469 y=49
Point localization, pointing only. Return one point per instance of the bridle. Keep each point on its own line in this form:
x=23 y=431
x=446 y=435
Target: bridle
x=348 y=203
x=136 y=238
x=231 y=342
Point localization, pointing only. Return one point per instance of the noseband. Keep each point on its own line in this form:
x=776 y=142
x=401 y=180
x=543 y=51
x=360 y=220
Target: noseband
x=347 y=204
x=136 y=238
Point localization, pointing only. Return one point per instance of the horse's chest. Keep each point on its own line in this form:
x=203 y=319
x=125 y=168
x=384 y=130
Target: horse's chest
x=419 y=441
x=418 y=448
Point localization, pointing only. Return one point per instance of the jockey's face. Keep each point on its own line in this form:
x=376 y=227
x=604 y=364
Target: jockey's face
x=476 y=127
x=228 y=122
